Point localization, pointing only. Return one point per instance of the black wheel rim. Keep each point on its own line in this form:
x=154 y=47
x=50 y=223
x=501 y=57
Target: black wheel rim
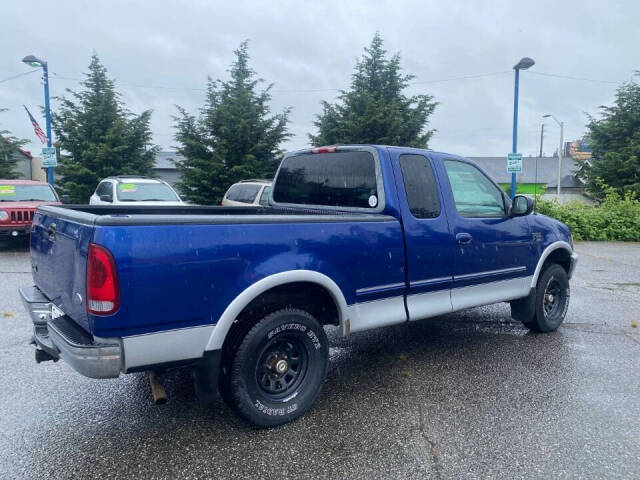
x=282 y=366
x=553 y=298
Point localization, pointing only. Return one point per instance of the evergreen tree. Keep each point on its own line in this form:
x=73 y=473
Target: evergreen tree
x=615 y=144
x=98 y=137
x=374 y=109
x=8 y=147
x=233 y=138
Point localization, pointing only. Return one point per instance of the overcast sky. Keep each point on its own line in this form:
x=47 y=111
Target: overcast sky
x=308 y=49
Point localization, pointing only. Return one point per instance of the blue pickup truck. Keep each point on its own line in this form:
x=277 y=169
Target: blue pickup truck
x=355 y=236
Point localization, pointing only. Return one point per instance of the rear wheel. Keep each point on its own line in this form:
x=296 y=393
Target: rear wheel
x=551 y=300
x=278 y=369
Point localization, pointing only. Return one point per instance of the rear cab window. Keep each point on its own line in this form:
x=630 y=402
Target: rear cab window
x=340 y=179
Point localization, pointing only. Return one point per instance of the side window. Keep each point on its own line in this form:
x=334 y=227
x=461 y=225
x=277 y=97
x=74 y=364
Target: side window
x=420 y=185
x=264 y=198
x=474 y=194
x=104 y=189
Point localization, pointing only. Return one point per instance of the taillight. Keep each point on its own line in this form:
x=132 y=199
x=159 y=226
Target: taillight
x=103 y=291
x=331 y=149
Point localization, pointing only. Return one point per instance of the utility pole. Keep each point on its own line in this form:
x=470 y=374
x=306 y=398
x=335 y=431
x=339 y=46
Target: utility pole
x=535 y=195
x=560 y=153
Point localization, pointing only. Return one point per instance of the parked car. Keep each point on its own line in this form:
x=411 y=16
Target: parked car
x=248 y=192
x=18 y=202
x=125 y=189
x=357 y=237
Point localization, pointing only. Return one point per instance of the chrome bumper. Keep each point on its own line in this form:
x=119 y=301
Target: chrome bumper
x=62 y=338
x=572 y=264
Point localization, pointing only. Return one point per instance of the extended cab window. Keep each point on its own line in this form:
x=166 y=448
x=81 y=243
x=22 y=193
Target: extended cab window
x=340 y=179
x=420 y=185
x=474 y=194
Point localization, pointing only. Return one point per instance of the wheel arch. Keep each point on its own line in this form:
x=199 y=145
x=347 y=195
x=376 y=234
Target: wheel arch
x=264 y=285
x=558 y=252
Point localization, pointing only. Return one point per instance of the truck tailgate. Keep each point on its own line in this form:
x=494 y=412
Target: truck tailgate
x=59 y=261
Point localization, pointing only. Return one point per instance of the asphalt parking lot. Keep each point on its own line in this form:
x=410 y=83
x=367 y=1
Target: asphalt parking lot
x=469 y=395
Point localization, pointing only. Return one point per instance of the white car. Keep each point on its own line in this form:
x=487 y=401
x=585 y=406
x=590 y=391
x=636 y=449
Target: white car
x=248 y=192
x=129 y=189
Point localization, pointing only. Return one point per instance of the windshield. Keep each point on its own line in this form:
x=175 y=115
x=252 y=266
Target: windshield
x=146 y=192
x=24 y=193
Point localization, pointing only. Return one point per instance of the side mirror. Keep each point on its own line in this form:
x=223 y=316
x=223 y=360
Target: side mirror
x=521 y=206
x=65 y=199
x=106 y=198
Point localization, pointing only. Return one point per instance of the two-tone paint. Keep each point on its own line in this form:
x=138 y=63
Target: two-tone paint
x=185 y=277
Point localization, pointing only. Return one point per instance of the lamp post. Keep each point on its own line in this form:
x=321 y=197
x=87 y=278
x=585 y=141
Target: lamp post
x=560 y=152
x=523 y=64
x=36 y=62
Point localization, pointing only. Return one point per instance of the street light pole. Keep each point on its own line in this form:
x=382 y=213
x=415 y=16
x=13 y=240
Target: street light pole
x=36 y=62
x=514 y=148
x=560 y=152
x=523 y=64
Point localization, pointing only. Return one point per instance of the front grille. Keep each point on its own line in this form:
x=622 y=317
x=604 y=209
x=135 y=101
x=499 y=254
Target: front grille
x=21 y=216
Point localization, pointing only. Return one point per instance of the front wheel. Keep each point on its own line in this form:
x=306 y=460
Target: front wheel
x=551 y=300
x=278 y=369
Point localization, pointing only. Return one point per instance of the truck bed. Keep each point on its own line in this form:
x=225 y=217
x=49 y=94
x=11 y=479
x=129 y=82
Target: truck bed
x=179 y=267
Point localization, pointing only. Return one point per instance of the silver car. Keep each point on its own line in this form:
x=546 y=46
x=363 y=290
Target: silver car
x=129 y=189
x=248 y=192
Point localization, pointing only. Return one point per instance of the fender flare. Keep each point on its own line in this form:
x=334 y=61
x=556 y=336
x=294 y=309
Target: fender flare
x=253 y=291
x=547 y=251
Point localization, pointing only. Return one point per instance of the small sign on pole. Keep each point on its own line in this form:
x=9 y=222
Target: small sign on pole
x=49 y=157
x=514 y=163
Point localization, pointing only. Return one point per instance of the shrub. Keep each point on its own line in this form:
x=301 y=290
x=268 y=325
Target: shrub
x=615 y=218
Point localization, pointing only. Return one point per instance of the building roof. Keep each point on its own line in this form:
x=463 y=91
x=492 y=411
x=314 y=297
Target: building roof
x=164 y=160
x=547 y=171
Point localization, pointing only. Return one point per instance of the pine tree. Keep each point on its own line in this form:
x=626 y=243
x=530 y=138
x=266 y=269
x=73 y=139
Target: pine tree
x=374 y=109
x=98 y=137
x=8 y=147
x=233 y=138
x=615 y=144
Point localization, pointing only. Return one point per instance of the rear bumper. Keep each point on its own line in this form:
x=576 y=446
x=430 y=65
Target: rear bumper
x=62 y=338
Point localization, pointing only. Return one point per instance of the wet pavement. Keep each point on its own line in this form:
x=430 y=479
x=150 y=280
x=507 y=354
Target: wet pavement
x=468 y=395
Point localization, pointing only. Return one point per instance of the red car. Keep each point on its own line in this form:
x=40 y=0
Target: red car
x=18 y=202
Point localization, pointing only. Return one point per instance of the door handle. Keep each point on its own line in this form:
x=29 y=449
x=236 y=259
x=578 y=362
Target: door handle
x=463 y=238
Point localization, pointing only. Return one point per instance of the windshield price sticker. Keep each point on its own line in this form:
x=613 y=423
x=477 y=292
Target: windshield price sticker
x=7 y=190
x=127 y=187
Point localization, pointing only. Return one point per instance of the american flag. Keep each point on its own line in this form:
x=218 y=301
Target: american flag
x=36 y=127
